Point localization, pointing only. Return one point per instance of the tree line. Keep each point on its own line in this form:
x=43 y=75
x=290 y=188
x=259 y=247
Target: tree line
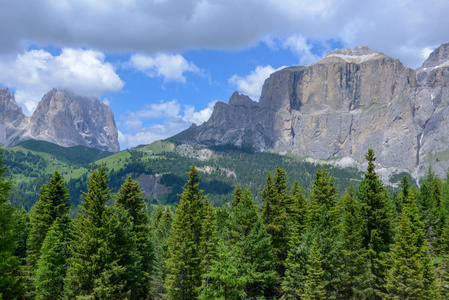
x=366 y=244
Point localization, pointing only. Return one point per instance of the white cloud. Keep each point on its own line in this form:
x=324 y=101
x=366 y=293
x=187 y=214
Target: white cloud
x=173 y=26
x=192 y=116
x=168 y=67
x=425 y=52
x=251 y=84
x=35 y=72
x=298 y=45
x=171 y=116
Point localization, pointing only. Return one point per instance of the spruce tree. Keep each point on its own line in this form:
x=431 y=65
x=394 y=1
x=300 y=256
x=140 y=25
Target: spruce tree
x=159 y=235
x=378 y=229
x=11 y=282
x=121 y=276
x=244 y=264
x=237 y=197
x=313 y=288
x=51 y=265
x=129 y=198
x=274 y=216
x=293 y=283
x=183 y=260
x=89 y=247
x=297 y=208
x=208 y=242
x=322 y=197
x=322 y=224
x=405 y=278
x=53 y=203
x=354 y=284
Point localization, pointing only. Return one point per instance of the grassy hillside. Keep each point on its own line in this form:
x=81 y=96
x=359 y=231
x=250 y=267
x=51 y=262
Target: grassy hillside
x=160 y=168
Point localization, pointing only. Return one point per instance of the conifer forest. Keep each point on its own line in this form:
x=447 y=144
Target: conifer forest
x=364 y=243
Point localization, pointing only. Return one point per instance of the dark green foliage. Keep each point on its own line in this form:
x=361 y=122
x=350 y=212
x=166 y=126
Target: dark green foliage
x=411 y=273
x=89 y=246
x=129 y=198
x=183 y=261
x=11 y=285
x=274 y=217
x=208 y=241
x=52 y=264
x=297 y=208
x=161 y=222
x=355 y=275
x=322 y=197
x=313 y=287
x=120 y=277
x=53 y=204
x=244 y=266
x=378 y=228
x=322 y=225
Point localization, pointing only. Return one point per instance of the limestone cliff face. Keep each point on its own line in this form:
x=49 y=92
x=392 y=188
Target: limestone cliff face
x=61 y=117
x=342 y=105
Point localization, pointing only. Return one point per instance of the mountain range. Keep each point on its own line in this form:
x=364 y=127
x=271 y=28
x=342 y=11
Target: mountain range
x=335 y=109
x=330 y=112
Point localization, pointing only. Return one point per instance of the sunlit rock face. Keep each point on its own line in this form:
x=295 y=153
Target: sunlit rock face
x=338 y=107
x=61 y=117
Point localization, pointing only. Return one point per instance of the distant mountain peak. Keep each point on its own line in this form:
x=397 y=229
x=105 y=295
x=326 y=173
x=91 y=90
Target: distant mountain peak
x=61 y=117
x=438 y=57
x=358 y=54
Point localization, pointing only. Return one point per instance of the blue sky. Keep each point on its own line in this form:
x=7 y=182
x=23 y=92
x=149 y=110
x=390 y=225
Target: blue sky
x=162 y=64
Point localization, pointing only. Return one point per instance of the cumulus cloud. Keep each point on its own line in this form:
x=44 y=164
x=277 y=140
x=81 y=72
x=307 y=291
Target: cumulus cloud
x=171 y=117
x=167 y=67
x=396 y=27
x=299 y=45
x=252 y=83
x=35 y=72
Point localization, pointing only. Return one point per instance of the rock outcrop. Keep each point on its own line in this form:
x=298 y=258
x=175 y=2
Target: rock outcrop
x=337 y=108
x=61 y=117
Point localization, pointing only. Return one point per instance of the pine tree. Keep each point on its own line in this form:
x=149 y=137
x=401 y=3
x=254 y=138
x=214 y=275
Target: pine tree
x=244 y=265
x=322 y=224
x=208 y=242
x=89 y=247
x=405 y=278
x=159 y=234
x=354 y=284
x=129 y=198
x=52 y=264
x=11 y=283
x=183 y=261
x=120 y=278
x=313 y=288
x=53 y=203
x=293 y=283
x=438 y=213
x=297 y=208
x=274 y=216
x=378 y=229
x=322 y=196
x=237 y=197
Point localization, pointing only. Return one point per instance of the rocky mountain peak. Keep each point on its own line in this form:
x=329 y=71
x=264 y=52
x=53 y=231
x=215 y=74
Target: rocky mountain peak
x=61 y=117
x=358 y=54
x=241 y=100
x=438 y=57
x=10 y=112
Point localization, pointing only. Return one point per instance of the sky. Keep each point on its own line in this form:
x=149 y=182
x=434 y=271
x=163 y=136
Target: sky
x=161 y=65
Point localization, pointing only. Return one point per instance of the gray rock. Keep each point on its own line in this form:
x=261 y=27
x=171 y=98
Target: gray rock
x=337 y=108
x=61 y=117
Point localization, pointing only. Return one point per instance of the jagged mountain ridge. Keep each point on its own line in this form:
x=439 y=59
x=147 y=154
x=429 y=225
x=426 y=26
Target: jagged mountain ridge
x=338 y=107
x=61 y=117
